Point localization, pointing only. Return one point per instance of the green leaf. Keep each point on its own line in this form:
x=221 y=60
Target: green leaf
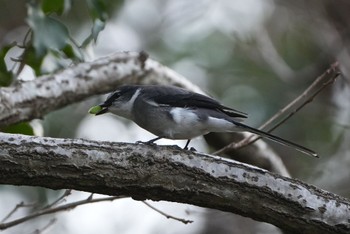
x=57 y=6
x=48 y=33
x=97 y=28
x=95 y=31
x=5 y=78
x=98 y=9
x=3 y=53
x=87 y=41
x=20 y=128
x=32 y=59
x=69 y=51
x=5 y=75
x=95 y=109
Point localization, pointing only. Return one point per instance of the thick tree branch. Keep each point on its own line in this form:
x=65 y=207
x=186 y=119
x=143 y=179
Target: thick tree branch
x=34 y=99
x=169 y=173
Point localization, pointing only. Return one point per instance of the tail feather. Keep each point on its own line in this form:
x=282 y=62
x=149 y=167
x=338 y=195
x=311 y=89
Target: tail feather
x=276 y=139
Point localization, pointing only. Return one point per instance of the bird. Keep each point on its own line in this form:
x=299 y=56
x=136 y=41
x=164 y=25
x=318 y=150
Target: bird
x=176 y=113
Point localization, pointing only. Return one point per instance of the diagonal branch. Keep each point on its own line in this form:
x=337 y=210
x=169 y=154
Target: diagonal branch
x=172 y=174
x=323 y=81
x=184 y=221
x=51 y=210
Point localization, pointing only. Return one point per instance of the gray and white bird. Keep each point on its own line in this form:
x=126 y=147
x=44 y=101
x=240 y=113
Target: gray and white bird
x=175 y=113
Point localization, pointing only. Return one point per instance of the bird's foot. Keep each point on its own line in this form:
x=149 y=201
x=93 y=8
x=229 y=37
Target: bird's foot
x=193 y=149
x=190 y=149
x=150 y=143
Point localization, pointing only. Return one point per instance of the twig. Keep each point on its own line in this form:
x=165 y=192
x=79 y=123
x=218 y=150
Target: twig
x=19 y=205
x=334 y=70
x=167 y=215
x=66 y=193
x=56 y=209
x=49 y=224
x=21 y=57
x=319 y=80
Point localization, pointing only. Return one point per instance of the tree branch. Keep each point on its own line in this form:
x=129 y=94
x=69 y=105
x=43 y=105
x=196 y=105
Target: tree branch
x=184 y=221
x=172 y=174
x=34 y=99
x=321 y=82
x=51 y=210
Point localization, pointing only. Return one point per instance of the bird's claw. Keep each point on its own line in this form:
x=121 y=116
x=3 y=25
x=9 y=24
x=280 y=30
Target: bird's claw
x=190 y=149
x=150 y=143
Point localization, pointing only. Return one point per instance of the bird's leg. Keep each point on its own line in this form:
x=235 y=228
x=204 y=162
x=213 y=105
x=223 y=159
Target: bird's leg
x=150 y=142
x=187 y=143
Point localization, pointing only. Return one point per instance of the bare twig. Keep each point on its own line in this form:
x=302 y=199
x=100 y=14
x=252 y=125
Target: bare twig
x=25 y=39
x=66 y=193
x=20 y=59
x=20 y=205
x=49 y=224
x=68 y=206
x=167 y=215
x=17 y=60
x=292 y=107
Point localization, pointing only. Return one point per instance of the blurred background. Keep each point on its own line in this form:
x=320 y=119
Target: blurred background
x=253 y=55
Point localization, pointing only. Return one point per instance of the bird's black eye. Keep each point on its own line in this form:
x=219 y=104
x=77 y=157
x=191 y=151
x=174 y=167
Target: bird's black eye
x=113 y=96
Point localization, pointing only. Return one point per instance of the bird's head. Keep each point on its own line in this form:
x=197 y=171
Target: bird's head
x=120 y=102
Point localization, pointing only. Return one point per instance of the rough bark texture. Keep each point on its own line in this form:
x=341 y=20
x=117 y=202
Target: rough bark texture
x=172 y=174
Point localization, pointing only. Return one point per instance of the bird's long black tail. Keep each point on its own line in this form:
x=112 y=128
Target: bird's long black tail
x=276 y=139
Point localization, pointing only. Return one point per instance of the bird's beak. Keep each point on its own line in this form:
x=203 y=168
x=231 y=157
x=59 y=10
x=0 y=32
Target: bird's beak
x=98 y=110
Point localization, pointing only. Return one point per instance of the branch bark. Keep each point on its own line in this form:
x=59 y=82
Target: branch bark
x=172 y=174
